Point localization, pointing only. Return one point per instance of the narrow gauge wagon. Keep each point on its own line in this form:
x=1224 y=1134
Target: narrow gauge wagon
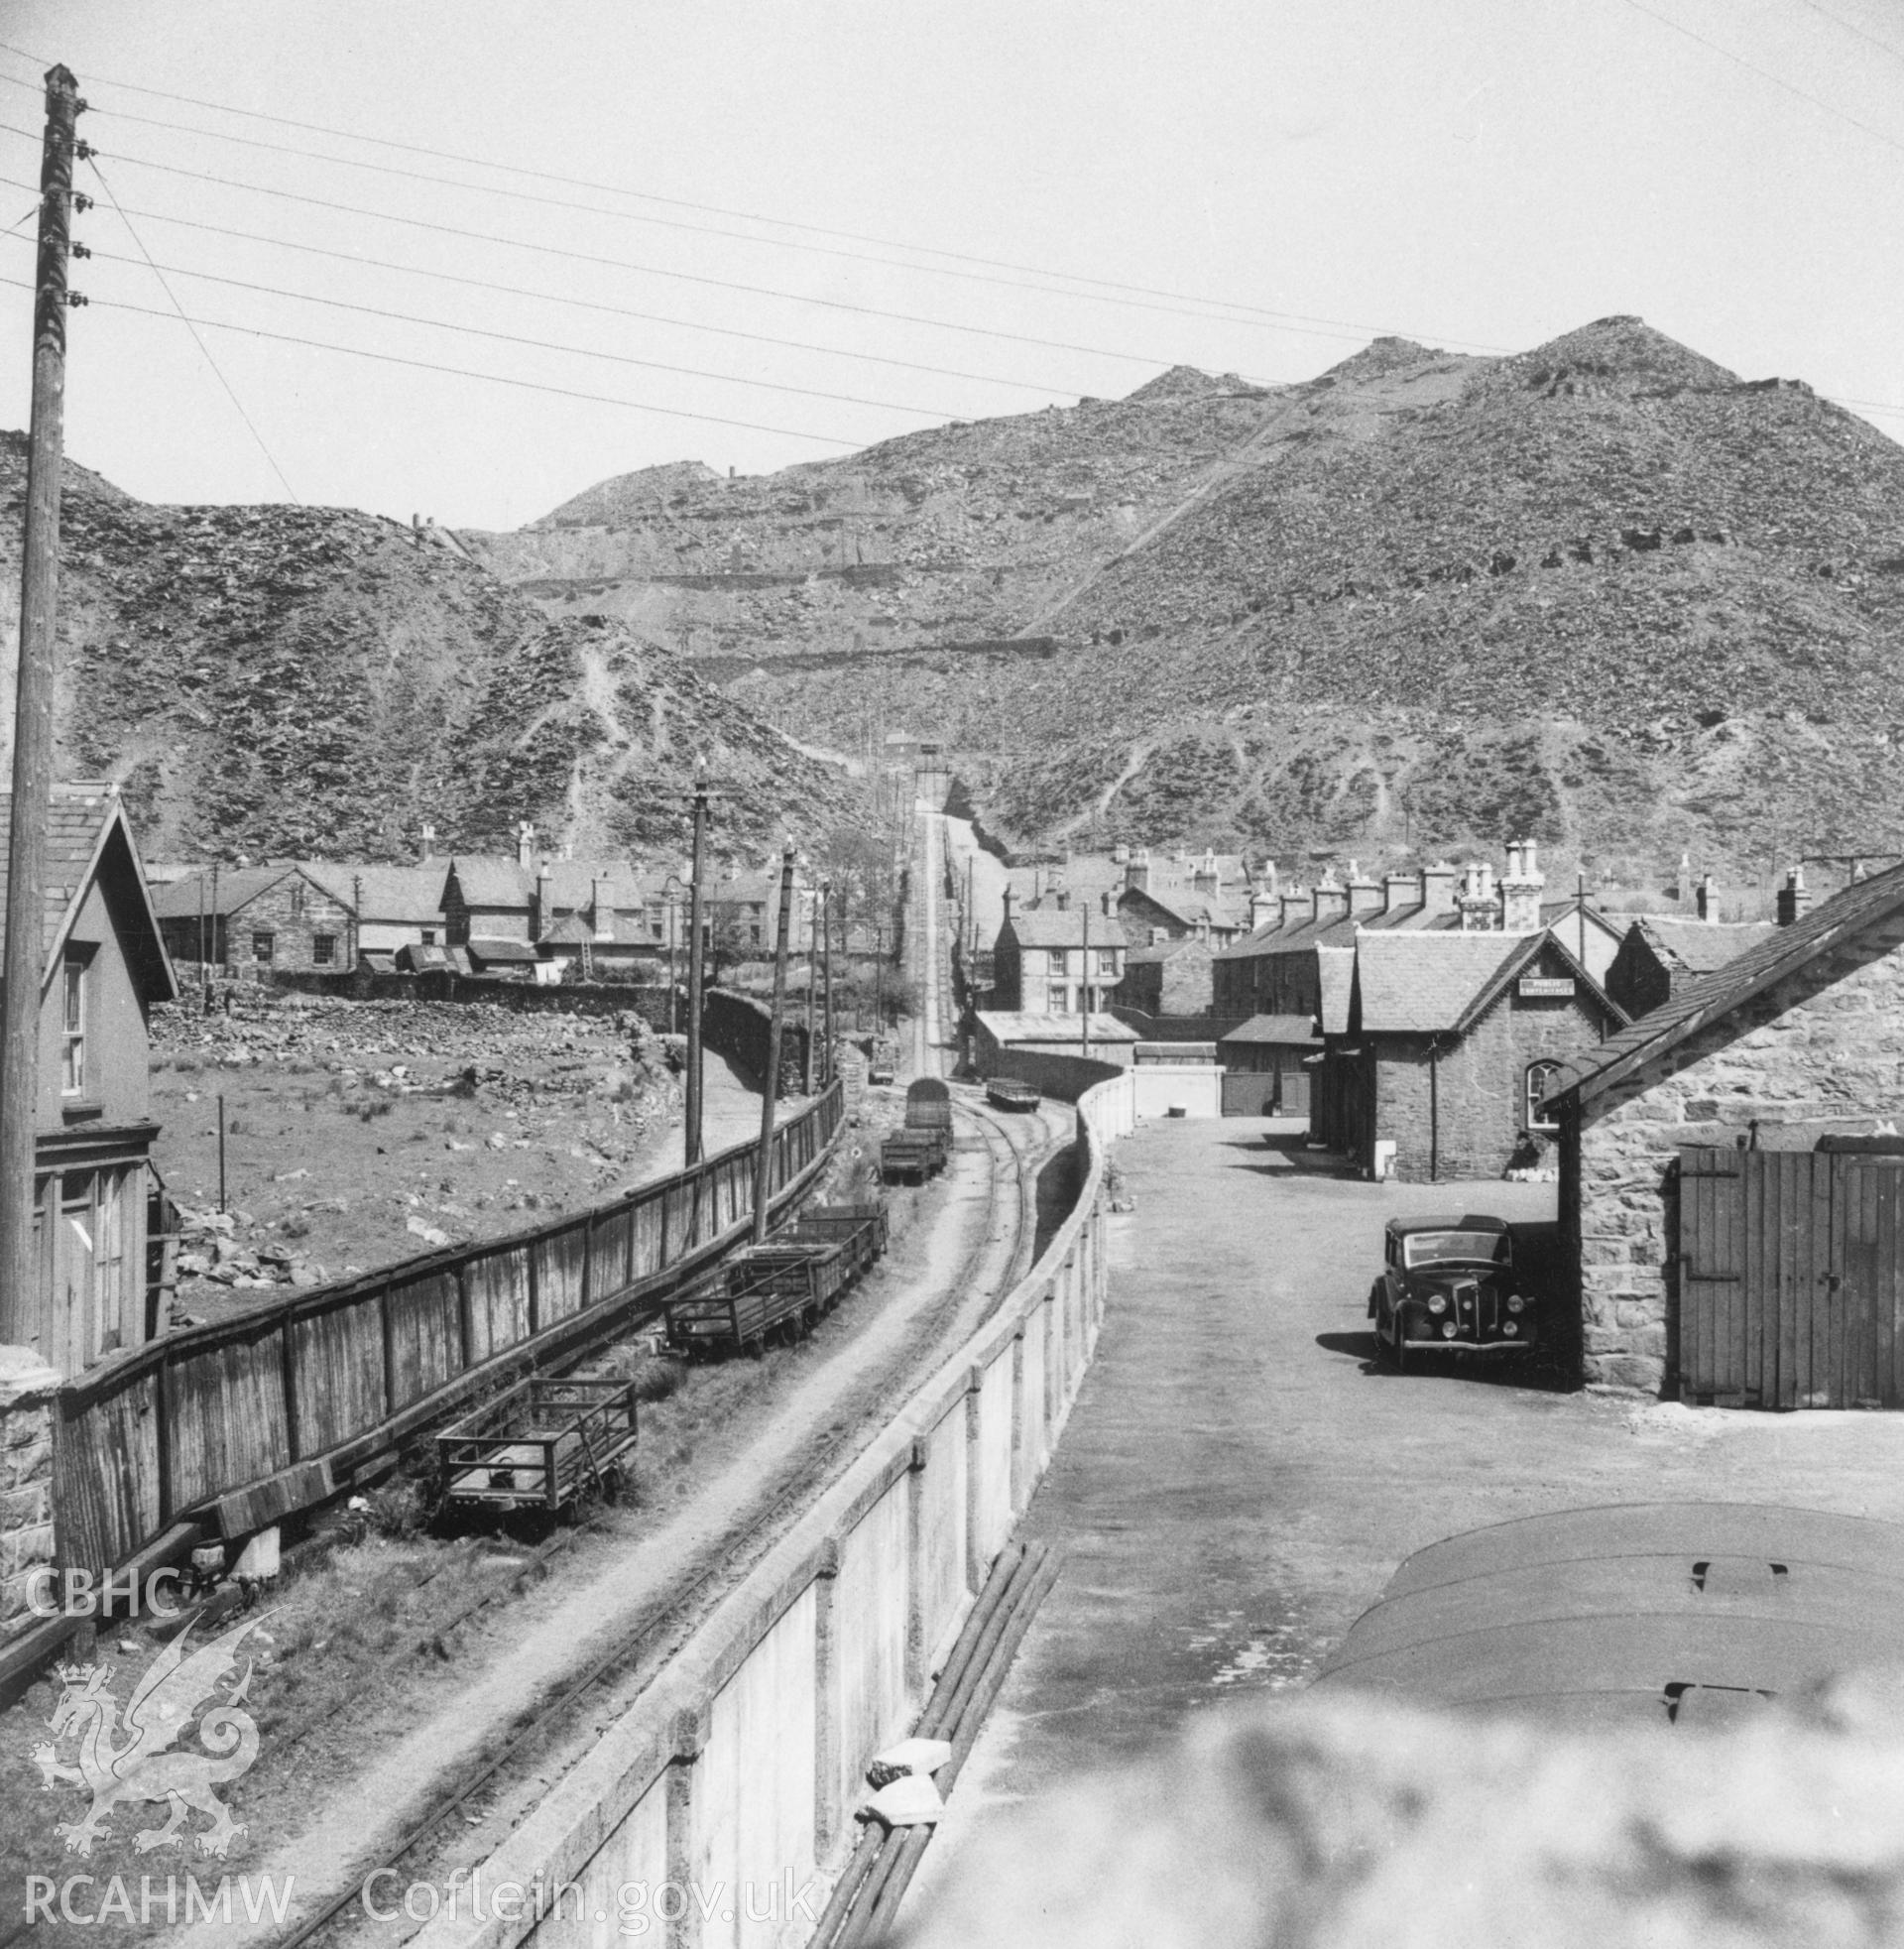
x=541 y=1445
x=919 y=1149
x=780 y=1287
x=1008 y=1093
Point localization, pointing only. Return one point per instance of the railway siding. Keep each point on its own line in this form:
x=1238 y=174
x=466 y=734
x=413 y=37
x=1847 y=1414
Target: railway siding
x=741 y=1764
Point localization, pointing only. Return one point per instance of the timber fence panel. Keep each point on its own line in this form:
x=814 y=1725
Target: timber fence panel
x=337 y=1371
x=425 y=1334
x=107 y=1485
x=611 y=1251
x=224 y=1409
x=497 y=1283
x=559 y=1266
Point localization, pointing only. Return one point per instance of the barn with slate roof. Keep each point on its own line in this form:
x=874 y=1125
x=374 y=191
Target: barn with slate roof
x=1797 y=1038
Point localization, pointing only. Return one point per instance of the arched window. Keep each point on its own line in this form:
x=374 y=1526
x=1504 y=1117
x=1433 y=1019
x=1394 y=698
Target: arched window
x=1540 y=1077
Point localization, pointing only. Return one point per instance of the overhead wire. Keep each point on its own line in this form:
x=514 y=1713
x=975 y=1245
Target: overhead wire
x=651 y=270
x=460 y=372
x=1849 y=27
x=271 y=460
x=564 y=298
x=535 y=344
x=1765 y=74
x=1226 y=304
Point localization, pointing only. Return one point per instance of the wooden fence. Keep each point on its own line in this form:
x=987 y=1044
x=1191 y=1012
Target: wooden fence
x=234 y=1424
x=1791 y=1279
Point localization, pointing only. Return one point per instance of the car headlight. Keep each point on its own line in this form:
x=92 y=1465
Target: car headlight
x=1448 y=1329
x=1509 y=1329
x=1437 y=1302
x=1516 y=1302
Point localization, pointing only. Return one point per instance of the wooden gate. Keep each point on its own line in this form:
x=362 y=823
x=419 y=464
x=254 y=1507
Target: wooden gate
x=1791 y=1279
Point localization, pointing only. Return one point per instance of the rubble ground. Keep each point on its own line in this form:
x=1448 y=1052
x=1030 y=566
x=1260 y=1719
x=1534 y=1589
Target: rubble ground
x=360 y=1132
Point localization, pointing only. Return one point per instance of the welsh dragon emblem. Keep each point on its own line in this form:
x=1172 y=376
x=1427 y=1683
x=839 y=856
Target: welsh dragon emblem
x=143 y=1765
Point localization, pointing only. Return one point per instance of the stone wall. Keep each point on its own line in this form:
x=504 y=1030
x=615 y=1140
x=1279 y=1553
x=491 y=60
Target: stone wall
x=1461 y=1113
x=28 y=1386
x=294 y=912
x=1822 y=1050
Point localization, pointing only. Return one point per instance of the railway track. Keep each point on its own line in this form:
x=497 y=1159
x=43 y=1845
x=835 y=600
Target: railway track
x=480 y=1801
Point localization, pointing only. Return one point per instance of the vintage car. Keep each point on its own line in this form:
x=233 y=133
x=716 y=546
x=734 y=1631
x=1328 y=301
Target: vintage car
x=1448 y=1286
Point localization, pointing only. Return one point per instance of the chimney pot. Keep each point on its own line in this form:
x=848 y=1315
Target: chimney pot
x=525 y=843
x=1794 y=898
x=1708 y=898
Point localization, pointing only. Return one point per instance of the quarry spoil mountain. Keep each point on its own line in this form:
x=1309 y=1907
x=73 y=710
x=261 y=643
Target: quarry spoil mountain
x=291 y=681
x=1605 y=593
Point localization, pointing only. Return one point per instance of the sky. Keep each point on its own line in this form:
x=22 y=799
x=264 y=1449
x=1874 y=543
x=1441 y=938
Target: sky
x=754 y=235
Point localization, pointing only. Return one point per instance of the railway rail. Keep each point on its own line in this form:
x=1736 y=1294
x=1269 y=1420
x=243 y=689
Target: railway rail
x=532 y=1752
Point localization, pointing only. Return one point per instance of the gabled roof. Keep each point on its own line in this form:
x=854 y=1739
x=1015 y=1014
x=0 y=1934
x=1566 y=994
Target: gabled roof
x=1277 y=1029
x=88 y=836
x=490 y=880
x=1052 y=926
x=401 y=894
x=572 y=883
x=1428 y=983
x=1700 y=946
x=567 y=932
x=1714 y=996
x=1163 y=950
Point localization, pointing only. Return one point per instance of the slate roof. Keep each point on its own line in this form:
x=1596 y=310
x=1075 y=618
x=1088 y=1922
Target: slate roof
x=1163 y=950
x=490 y=880
x=235 y=887
x=495 y=947
x=1714 y=996
x=411 y=894
x=572 y=883
x=83 y=823
x=1278 y=1029
x=568 y=931
x=1700 y=946
x=1023 y=1026
x=1052 y=926
x=1426 y=983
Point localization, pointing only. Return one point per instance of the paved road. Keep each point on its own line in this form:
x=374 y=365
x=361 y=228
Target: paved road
x=1238 y=1479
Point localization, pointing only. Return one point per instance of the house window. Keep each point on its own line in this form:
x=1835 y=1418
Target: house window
x=1540 y=1078
x=72 y=1027
x=324 y=950
x=428 y=937
x=263 y=944
x=1055 y=960
x=1108 y=961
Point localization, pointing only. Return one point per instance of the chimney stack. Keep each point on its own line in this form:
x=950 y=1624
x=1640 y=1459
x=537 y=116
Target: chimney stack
x=525 y=844
x=1708 y=898
x=1331 y=900
x=429 y=844
x=1364 y=895
x=1108 y=912
x=1293 y=905
x=1137 y=870
x=602 y=895
x=1438 y=889
x=1521 y=890
x=1793 y=898
x=1480 y=912
x=1399 y=890
x=544 y=916
x=1263 y=908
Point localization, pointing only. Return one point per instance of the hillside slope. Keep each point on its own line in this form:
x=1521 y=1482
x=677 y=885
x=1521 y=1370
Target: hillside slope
x=1603 y=592
x=311 y=681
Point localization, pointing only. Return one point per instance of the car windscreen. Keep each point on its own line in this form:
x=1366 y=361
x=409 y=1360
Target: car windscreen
x=1440 y=1248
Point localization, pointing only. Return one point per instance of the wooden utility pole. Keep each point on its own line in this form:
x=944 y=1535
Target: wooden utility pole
x=1083 y=1047
x=770 y=1082
x=20 y=1321
x=826 y=975
x=694 y=1132
x=812 y=974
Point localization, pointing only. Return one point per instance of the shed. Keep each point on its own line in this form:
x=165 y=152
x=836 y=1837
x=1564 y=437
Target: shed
x=1266 y=1070
x=1798 y=1037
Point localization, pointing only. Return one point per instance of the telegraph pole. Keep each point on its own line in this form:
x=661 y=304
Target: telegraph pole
x=20 y=1323
x=826 y=973
x=693 y=1134
x=1084 y=1046
x=812 y=973
x=770 y=1083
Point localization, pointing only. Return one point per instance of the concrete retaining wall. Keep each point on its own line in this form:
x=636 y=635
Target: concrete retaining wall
x=739 y=1767
x=1196 y=1088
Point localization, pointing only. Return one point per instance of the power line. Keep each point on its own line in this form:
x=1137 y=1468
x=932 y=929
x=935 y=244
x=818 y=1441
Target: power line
x=1765 y=74
x=651 y=270
x=1838 y=20
x=270 y=458
x=708 y=209
x=563 y=299
x=461 y=372
x=535 y=345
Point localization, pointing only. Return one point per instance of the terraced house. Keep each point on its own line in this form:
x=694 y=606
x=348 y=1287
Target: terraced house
x=1057 y=958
